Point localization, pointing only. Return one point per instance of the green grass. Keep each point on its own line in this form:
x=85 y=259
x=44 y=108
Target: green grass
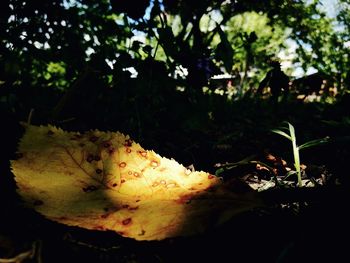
x=292 y=137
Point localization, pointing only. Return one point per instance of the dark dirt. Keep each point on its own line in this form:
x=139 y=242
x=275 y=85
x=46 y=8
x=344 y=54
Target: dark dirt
x=306 y=225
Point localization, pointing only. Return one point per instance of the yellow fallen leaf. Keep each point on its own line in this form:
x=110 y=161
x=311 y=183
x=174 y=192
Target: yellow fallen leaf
x=105 y=181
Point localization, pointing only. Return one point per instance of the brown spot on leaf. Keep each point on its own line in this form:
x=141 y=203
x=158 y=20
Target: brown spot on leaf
x=136 y=174
x=210 y=176
x=106 y=144
x=133 y=208
x=122 y=164
x=90 y=188
x=128 y=150
x=185 y=199
x=125 y=206
x=142 y=153
x=114 y=185
x=90 y=158
x=142 y=233
x=111 y=150
x=126 y=221
x=154 y=163
x=128 y=143
x=93 y=138
x=122 y=180
x=104 y=215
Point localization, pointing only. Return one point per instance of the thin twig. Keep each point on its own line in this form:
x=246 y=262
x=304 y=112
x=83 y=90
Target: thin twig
x=29 y=254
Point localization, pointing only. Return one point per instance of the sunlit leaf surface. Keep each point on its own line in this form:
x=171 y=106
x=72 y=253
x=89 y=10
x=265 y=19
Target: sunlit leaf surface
x=106 y=181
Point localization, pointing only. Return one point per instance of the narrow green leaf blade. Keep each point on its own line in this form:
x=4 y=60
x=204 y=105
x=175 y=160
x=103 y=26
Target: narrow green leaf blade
x=282 y=133
x=314 y=143
x=289 y=174
x=291 y=131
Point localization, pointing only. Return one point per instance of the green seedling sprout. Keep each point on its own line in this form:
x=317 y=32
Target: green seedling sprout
x=291 y=136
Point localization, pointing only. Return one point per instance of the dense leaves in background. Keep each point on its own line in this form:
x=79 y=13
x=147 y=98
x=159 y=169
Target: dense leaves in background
x=141 y=66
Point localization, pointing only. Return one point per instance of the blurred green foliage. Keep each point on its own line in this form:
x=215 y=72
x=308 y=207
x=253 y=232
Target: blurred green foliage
x=135 y=65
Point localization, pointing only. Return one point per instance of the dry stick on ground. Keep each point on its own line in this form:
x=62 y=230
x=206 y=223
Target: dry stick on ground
x=29 y=254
